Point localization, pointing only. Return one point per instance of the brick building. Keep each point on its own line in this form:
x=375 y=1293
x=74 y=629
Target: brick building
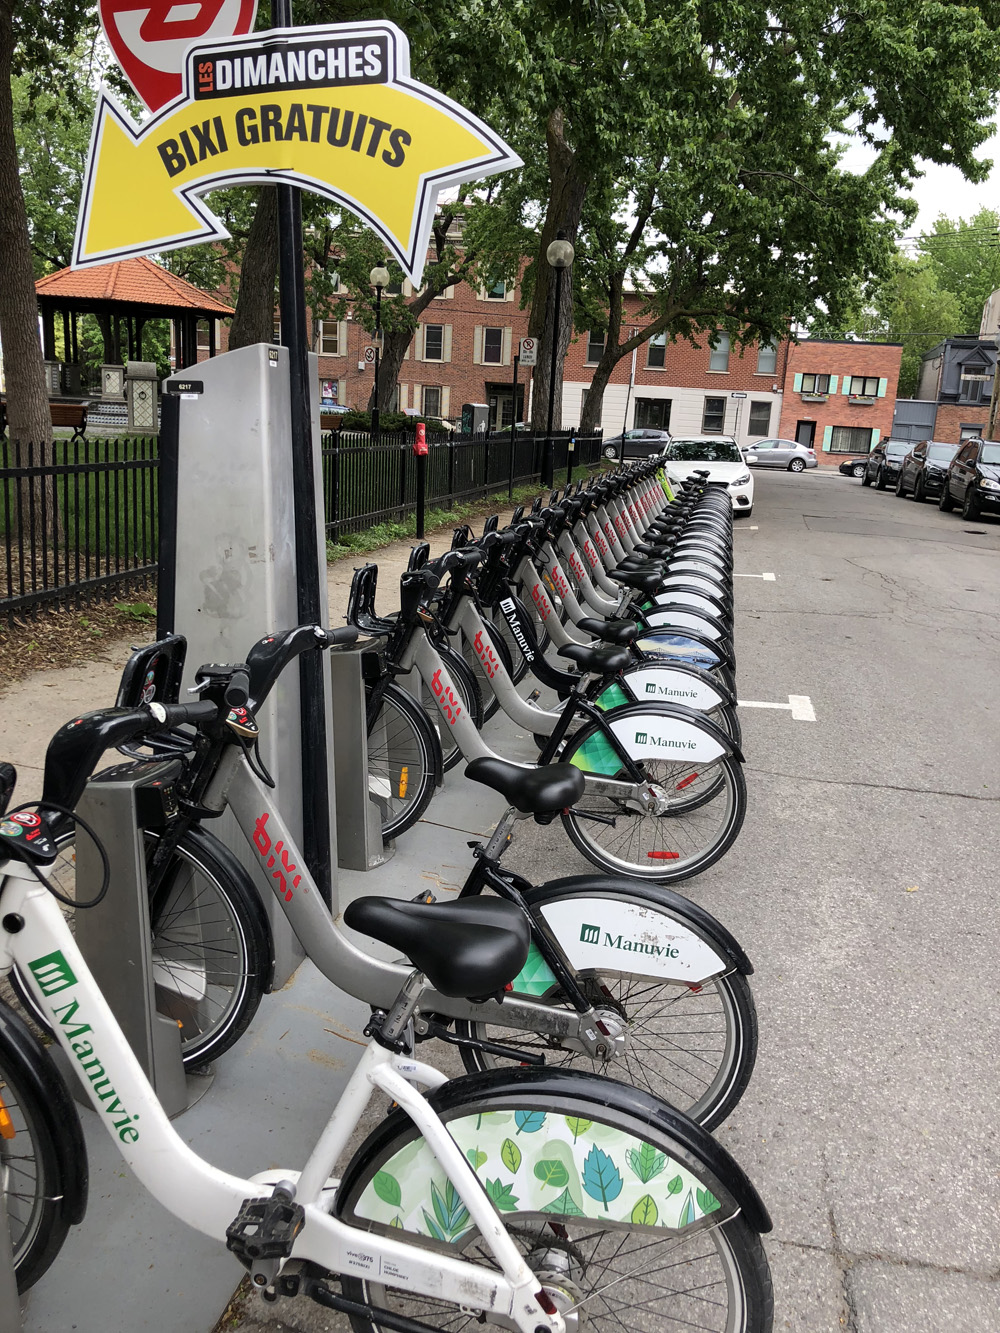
x=839 y=396
x=462 y=352
x=680 y=387
x=957 y=377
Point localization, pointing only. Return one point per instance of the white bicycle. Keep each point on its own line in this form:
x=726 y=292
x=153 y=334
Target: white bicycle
x=531 y=1199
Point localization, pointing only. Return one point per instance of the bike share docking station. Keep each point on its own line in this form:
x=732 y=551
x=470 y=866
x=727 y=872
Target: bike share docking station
x=227 y=579
x=227 y=439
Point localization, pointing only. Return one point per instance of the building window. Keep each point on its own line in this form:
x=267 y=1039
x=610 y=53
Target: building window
x=276 y=339
x=653 y=413
x=596 y=340
x=493 y=347
x=433 y=342
x=329 y=337
x=432 y=400
x=864 y=386
x=972 y=388
x=395 y=288
x=760 y=418
x=767 y=359
x=851 y=440
x=969 y=432
x=815 y=384
x=714 y=420
x=656 y=352
x=204 y=328
x=719 y=360
x=498 y=292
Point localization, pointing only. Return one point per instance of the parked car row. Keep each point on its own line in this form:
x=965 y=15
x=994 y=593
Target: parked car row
x=965 y=475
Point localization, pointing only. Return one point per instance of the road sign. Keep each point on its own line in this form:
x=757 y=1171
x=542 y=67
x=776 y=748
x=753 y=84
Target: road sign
x=149 y=40
x=330 y=108
x=370 y=355
x=737 y=395
x=529 y=352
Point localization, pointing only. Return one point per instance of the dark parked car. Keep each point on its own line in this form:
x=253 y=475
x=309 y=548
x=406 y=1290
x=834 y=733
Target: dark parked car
x=973 y=480
x=884 y=463
x=854 y=467
x=925 y=468
x=639 y=443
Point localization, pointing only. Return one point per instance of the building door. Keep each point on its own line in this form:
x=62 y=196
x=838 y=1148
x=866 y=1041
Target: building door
x=805 y=433
x=501 y=402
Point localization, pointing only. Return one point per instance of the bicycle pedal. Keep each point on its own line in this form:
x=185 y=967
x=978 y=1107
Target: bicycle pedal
x=534 y=697
x=265 y=1228
x=424 y=896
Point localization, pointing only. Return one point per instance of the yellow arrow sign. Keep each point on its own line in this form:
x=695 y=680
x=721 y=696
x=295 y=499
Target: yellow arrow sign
x=331 y=109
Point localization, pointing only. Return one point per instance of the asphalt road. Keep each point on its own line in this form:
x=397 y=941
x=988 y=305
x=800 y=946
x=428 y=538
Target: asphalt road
x=863 y=887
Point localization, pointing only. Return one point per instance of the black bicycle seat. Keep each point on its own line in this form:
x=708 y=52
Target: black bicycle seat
x=643 y=580
x=609 y=631
x=469 y=948
x=601 y=659
x=533 y=791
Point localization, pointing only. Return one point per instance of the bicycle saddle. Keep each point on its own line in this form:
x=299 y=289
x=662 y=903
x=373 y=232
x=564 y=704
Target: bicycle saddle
x=643 y=580
x=603 y=659
x=533 y=791
x=469 y=948
x=610 y=631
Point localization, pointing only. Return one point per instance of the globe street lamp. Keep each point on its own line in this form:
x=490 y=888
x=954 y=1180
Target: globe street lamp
x=559 y=255
x=379 y=279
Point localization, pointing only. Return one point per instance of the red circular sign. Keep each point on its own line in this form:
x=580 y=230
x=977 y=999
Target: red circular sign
x=149 y=38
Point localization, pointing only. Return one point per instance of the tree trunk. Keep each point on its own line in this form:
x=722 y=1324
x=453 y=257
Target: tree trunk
x=567 y=190
x=253 y=321
x=27 y=401
x=394 y=347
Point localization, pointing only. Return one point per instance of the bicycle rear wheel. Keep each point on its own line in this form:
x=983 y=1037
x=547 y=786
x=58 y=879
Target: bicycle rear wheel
x=633 y=1252
x=211 y=943
x=697 y=816
x=40 y=1142
x=404 y=757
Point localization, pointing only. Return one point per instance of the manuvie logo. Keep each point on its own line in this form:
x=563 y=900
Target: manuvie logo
x=590 y=934
x=640 y=738
x=52 y=973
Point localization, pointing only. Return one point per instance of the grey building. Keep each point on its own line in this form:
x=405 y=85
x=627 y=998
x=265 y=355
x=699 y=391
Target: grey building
x=953 y=396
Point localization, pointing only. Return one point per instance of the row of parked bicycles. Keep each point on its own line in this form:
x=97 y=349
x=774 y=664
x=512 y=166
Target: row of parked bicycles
x=963 y=476
x=606 y=1021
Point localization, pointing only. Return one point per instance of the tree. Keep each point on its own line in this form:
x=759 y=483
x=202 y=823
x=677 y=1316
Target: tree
x=964 y=258
x=35 y=39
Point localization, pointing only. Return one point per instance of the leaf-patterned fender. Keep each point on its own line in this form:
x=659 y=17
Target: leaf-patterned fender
x=699 y=1178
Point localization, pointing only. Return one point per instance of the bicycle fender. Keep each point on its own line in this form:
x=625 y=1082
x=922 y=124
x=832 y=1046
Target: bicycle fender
x=670 y=731
x=466 y=1099
x=677 y=683
x=691 y=914
x=36 y=1070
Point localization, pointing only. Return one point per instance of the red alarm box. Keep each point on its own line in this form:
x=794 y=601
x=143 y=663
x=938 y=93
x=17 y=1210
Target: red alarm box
x=420 y=442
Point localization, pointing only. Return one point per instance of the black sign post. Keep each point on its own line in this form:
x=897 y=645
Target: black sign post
x=291 y=287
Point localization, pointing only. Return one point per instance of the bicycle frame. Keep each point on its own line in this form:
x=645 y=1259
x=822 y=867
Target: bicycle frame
x=208 y=1199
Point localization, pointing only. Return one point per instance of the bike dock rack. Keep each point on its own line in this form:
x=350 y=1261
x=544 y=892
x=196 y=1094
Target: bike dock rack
x=114 y=937
x=360 y=807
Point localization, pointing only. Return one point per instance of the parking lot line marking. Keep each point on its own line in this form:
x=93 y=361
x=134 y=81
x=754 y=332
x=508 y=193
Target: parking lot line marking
x=799 y=705
x=768 y=578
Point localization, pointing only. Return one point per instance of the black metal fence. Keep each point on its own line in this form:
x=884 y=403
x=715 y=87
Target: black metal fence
x=77 y=521
x=78 y=518
x=365 y=482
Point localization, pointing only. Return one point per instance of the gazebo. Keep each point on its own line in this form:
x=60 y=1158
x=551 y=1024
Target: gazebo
x=126 y=295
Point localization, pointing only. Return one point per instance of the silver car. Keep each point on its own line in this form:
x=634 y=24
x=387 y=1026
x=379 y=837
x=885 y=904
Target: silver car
x=787 y=454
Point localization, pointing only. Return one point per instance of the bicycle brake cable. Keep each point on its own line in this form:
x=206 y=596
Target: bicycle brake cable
x=76 y=819
x=251 y=753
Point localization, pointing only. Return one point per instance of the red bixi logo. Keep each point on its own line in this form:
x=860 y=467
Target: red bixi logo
x=486 y=655
x=445 y=696
x=283 y=871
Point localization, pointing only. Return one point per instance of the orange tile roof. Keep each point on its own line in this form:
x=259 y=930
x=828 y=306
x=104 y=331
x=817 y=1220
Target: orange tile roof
x=131 y=282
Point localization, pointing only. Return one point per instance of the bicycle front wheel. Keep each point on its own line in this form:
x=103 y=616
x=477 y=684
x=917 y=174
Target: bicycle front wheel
x=40 y=1135
x=607 y=1206
x=694 y=819
x=211 y=944
x=404 y=758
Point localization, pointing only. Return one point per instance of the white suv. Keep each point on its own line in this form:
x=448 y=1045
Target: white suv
x=720 y=457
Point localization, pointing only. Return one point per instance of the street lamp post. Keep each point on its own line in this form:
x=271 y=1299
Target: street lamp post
x=379 y=279
x=559 y=255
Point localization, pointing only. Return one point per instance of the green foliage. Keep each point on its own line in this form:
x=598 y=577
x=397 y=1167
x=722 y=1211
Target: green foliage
x=964 y=259
x=141 y=611
x=389 y=421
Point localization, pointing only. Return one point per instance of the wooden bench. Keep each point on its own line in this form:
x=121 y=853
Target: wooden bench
x=73 y=415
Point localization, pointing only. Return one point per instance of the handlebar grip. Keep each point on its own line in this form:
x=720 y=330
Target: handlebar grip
x=238 y=689
x=176 y=715
x=342 y=637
